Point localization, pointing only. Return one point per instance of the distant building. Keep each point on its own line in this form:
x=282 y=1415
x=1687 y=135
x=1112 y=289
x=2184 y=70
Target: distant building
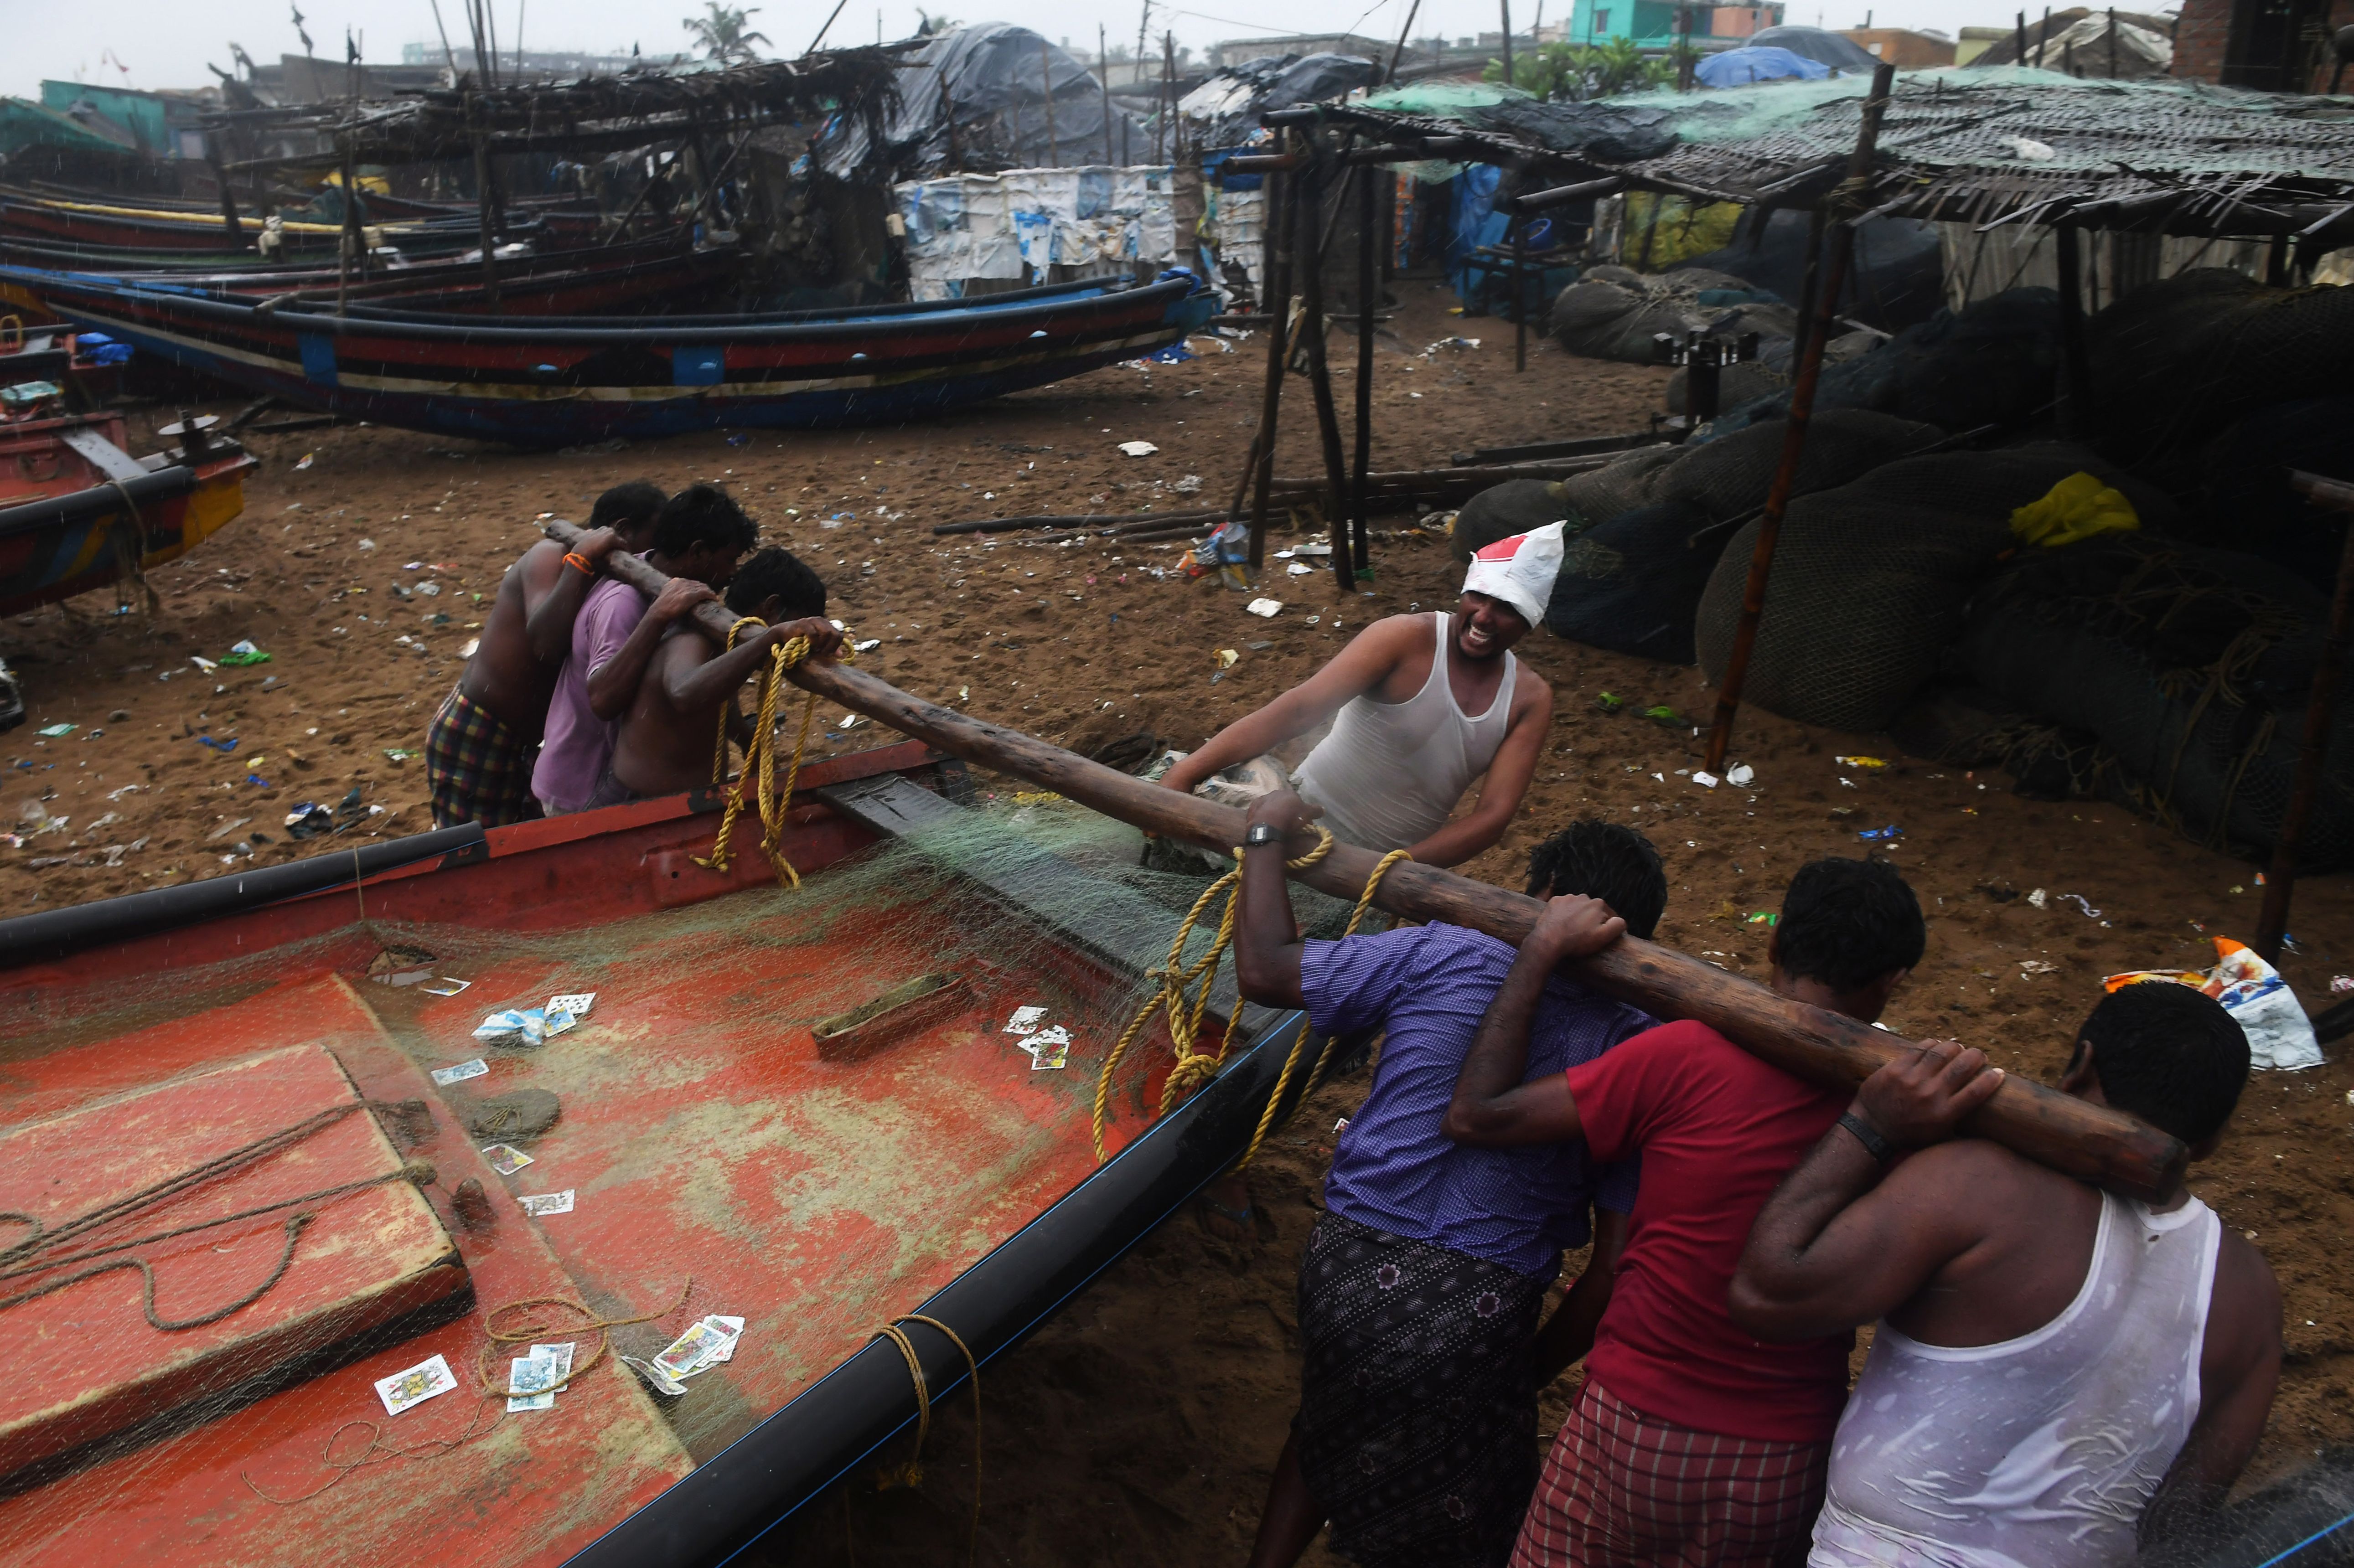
x=1653 y=23
x=2274 y=46
x=1741 y=21
x=150 y=124
x=1903 y=48
x=1975 y=41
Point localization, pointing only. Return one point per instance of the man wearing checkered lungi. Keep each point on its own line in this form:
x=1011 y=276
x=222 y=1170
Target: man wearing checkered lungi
x=484 y=739
x=1692 y=1444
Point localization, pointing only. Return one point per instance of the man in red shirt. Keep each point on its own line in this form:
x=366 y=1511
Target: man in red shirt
x=1691 y=1443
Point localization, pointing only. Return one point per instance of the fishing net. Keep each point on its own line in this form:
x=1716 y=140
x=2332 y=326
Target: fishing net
x=2305 y=1518
x=796 y=1107
x=2191 y=666
x=2244 y=492
x=2176 y=360
x=1870 y=581
x=1631 y=585
x=1610 y=321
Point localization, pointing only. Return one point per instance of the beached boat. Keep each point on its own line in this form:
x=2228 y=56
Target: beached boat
x=655 y=276
x=77 y=512
x=562 y=381
x=121 y=223
x=797 y=1111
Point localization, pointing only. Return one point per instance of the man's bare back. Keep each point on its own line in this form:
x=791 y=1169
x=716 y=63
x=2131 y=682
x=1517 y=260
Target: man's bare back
x=669 y=736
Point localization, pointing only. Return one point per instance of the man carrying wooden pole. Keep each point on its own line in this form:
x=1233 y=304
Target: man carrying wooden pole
x=2072 y=1136
x=1802 y=407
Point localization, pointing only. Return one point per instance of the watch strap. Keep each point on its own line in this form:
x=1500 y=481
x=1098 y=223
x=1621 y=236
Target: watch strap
x=1878 y=1148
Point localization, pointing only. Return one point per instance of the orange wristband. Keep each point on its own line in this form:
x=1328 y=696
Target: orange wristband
x=575 y=559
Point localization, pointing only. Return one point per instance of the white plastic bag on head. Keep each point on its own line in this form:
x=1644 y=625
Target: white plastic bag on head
x=2279 y=1037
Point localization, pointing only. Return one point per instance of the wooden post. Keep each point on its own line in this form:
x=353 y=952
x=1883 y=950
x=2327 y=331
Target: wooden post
x=948 y=113
x=484 y=197
x=2092 y=1143
x=1361 y=525
x=1794 y=438
x=1390 y=71
x=228 y=197
x=1275 y=300
x=1103 y=80
x=2075 y=360
x=1046 y=90
x=2022 y=38
x=1520 y=295
x=1507 y=7
x=2320 y=718
x=1311 y=262
x=2113 y=43
x=352 y=238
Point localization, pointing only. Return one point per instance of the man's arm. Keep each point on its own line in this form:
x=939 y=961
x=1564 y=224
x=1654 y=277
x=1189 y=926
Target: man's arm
x=1509 y=774
x=552 y=591
x=1359 y=667
x=1568 y=1334
x=2239 y=1368
x=1836 y=1245
x=714 y=680
x=614 y=685
x=1492 y=1108
x=1267 y=944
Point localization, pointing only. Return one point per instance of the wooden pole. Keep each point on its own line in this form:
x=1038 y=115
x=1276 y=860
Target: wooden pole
x=1277 y=301
x=947 y=114
x=1390 y=72
x=1046 y=90
x=1319 y=376
x=1361 y=525
x=1103 y=80
x=1506 y=5
x=2075 y=359
x=1794 y=437
x=2089 y=1143
x=2320 y=718
x=352 y=238
x=2021 y=36
x=1520 y=295
x=228 y=198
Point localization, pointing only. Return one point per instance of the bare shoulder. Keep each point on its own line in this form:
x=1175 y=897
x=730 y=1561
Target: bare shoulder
x=1974 y=1173
x=539 y=565
x=1531 y=694
x=2246 y=1284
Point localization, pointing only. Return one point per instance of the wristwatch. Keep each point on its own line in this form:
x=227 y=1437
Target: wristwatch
x=1876 y=1146
x=1262 y=834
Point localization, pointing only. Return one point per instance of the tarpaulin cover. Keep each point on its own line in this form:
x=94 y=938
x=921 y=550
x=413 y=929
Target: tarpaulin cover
x=997 y=76
x=1738 y=67
x=1613 y=133
x=1224 y=111
x=1816 y=44
x=1444 y=99
x=1018 y=224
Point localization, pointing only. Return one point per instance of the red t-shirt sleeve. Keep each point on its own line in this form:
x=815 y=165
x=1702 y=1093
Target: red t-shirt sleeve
x=1616 y=1094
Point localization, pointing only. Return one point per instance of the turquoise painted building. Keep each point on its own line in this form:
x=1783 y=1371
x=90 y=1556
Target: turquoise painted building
x=160 y=125
x=1652 y=22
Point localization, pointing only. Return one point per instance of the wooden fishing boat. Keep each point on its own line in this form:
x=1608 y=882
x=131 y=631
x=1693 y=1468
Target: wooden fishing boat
x=791 y=1106
x=77 y=512
x=562 y=381
x=122 y=225
x=657 y=276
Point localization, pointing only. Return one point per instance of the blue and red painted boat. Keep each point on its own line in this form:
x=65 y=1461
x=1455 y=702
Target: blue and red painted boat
x=564 y=380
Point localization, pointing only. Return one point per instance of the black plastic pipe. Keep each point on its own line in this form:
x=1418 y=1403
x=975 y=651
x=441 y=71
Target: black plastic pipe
x=54 y=933
x=81 y=505
x=791 y=1458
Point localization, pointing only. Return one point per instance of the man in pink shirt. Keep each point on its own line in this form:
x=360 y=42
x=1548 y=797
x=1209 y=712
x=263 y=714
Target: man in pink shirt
x=697 y=539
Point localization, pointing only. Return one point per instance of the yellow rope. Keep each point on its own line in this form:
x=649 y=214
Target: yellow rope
x=1316 y=1074
x=759 y=772
x=1184 y=1005
x=911 y=1473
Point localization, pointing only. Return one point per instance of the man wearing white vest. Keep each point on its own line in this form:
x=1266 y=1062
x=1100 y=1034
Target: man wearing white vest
x=1421 y=706
x=2057 y=1370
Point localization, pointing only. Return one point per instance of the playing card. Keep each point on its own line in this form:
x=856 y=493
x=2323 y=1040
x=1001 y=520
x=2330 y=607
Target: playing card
x=533 y=1374
x=506 y=1158
x=726 y=1353
x=688 y=1352
x=404 y=1389
x=544 y=1203
x=577 y=1003
x=554 y=1021
x=660 y=1380
x=445 y=1076
x=1024 y=1020
x=1048 y=1048
x=447 y=985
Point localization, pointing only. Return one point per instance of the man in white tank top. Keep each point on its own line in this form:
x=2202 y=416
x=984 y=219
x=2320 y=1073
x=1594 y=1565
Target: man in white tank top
x=2058 y=1373
x=1422 y=706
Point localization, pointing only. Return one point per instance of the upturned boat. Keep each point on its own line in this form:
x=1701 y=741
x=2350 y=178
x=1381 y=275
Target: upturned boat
x=564 y=380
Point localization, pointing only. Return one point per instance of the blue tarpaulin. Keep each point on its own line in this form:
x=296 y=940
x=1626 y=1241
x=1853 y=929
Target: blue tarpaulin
x=1477 y=222
x=1739 y=67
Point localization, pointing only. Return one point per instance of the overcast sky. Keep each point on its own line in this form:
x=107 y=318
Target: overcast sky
x=166 y=43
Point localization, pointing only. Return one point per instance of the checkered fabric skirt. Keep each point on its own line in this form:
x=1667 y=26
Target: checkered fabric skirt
x=1418 y=1409
x=1622 y=1490
x=478 y=768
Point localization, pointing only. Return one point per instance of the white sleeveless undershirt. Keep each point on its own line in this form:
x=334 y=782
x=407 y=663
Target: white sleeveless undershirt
x=1390 y=774
x=2042 y=1451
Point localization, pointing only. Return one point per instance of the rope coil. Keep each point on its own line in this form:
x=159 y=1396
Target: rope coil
x=911 y=1473
x=1175 y=984
x=759 y=775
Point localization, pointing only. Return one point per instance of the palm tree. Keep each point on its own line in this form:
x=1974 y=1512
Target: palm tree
x=724 y=34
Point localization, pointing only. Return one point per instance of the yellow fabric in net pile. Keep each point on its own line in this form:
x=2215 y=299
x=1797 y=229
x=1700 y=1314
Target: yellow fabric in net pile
x=2077 y=508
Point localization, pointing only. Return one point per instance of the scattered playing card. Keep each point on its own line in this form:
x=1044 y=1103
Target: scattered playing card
x=1048 y=1048
x=506 y=1158
x=1024 y=1020
x=659 y=1380
x=548 y=1204
x=445 y=1076
x=534 y=1374
x=692 y=1350
x=420 y=1383
x=726 y=1353
x=447 y=985
x=577 y=1003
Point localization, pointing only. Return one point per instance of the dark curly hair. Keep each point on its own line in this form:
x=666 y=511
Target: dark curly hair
x=1606 y=861
x=1847 y=922
x=2168 y=1054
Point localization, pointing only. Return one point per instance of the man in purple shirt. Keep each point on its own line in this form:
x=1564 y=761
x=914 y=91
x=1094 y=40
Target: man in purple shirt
x=1422 y=1285
x=698 y=538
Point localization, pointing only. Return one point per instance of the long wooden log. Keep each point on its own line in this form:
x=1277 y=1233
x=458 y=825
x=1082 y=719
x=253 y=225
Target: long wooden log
x=2083 y=1140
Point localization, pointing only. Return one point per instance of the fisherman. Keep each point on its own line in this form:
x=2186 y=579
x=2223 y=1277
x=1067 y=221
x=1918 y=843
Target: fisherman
x=480 y=750
x=1420 y=1290
x=1690 y=1442
x=696 y=541
x=665 y=743
x=2050 y=1358
x=1426 y=704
